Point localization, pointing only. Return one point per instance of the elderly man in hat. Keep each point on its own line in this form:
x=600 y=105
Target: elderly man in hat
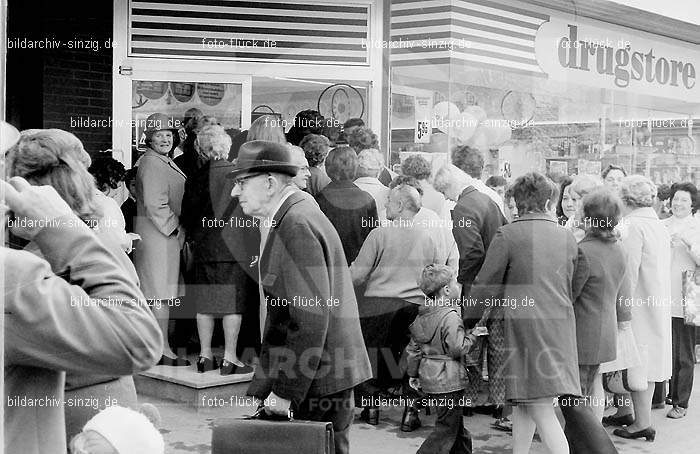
x=312 y=351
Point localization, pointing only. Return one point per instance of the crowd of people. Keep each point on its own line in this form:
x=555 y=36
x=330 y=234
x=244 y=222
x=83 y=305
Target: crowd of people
x=353 y=285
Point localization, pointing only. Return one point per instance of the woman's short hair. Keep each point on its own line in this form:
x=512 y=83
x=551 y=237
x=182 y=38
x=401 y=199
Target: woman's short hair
x=362 y=138
x=315 y=148
x=47 y=158
x=341 y=164
x=408 y=181
x=447 y=176
x=637 y=191
x=495 y=181
x=67 y=141
x=583 y=184
x=108 y=172
x=408 y=195
x=531 y=192
x=688 y=187
x=433 y=278
x=213 y=142
x=369 y=163
x=563 y=183
x=416 y=166
x=469 y=160
x=267 y=127
x=602 y=209
x=611 y=167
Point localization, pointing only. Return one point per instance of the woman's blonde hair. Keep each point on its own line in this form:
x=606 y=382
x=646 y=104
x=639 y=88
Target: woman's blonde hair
x=213 y=142
x=53 y=157
x=637 y=191
x=267 y=127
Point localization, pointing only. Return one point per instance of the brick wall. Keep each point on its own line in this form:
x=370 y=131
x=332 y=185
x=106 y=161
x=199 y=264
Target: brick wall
x=77 y=89
x=58 y=87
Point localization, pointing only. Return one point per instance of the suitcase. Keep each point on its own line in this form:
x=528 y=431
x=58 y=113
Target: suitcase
x=263 y=436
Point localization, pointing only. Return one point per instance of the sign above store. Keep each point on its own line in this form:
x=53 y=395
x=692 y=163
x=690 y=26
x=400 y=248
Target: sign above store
x=619 y=60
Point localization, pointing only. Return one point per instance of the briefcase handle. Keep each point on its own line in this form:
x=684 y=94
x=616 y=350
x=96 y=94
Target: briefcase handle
x=260 y=413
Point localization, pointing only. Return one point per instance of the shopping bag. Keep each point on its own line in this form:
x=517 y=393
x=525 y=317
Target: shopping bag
x=631 y=375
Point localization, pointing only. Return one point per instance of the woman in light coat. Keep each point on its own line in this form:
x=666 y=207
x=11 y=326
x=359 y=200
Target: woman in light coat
x=648 y=246
x=160 y=185
x=685 y=250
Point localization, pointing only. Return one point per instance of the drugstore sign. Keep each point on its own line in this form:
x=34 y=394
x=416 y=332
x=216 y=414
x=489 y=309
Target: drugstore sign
x=587 y=55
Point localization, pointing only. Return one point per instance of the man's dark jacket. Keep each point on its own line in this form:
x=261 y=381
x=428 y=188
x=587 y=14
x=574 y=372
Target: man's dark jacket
x=353 y=213
x=475 y=220
x=309 y=350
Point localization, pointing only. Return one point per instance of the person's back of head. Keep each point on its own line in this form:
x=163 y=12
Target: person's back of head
x=190 y=119
x=362 y=138
x=120 y=430
x=213 y=142
x=315 y=148
x=416 y=166
x=583 y=184
x=108 y=172
x=602 y=209
x=341 y=164
x=407 y=180
x=353 y=123
x=433 y=280
x=267 y=128
x=534 y=193
x=450 y=181
x=369 y=163
x=469 y=160
x=404 y=202
x=48 y=157
x=496 y=181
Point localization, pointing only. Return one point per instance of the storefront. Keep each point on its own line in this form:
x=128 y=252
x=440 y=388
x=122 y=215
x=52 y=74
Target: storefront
x=233 y=60
x=542 y=89
x=535 y=88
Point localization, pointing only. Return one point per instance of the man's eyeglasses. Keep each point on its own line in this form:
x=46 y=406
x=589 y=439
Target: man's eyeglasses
x=241 y=182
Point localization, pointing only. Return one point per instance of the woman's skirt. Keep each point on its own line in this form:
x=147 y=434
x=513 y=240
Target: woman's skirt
x=221 y=288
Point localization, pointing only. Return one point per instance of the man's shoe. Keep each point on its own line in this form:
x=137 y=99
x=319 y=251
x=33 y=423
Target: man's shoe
x=410 y=420
x=677 y=412
x=658 y=406
x=370 y=416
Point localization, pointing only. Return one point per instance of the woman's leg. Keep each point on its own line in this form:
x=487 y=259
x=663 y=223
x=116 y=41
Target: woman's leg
x=161 y=310
x=642 y=408
x=598 y=397
x=232 y=326
x=523 y=430
x=205 y=328
x=551 y=432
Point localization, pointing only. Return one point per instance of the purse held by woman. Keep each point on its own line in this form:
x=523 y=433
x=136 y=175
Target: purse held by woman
x=629 y=373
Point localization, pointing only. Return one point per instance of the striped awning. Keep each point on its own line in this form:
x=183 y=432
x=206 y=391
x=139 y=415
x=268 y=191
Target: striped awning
x=310 y=32
x=484 y=33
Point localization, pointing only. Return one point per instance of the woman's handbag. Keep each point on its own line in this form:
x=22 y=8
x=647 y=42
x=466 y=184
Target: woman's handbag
x=691 y=291
x=629 y=373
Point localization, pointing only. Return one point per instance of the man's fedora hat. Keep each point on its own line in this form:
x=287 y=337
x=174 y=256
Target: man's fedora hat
x=263 y=156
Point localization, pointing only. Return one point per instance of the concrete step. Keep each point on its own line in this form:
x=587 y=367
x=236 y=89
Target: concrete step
x=198 y=390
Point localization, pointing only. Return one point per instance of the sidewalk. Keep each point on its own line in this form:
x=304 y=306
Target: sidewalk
x=187 y=430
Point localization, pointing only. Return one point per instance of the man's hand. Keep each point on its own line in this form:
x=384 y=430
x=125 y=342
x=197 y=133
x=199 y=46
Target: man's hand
x=276 y=405
x=414 y=383
x=33 y=206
